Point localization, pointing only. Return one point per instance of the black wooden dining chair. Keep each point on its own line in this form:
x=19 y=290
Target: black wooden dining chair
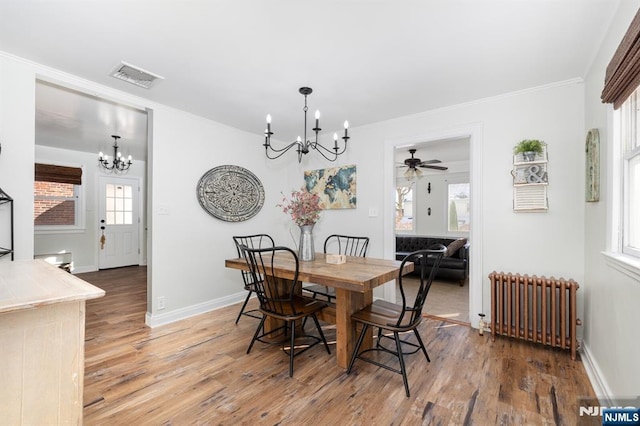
x=251 y=241
x=339 y=244
x=398 y=319
x=280 y=300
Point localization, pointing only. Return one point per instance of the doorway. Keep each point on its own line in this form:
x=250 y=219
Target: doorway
x=119 y=215
x=72 y=125
x=438 y=175
x=474 y=134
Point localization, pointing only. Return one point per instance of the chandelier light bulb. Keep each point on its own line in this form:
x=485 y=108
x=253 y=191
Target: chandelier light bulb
x=130 y=157
x=100 y=154
x=346 y=124
x=335 y=136
x=317 y=114
x=269 y=118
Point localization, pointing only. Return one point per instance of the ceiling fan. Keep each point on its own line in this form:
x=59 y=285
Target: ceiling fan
x=414 y=164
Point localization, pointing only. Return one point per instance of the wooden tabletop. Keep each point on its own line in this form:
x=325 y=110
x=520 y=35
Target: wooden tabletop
x=26 y=284
x=357 y=274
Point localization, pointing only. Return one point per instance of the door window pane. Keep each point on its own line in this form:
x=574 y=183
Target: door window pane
x=119 y=204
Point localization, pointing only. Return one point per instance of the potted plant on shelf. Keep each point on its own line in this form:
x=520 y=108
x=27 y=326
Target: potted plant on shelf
x=529 y=148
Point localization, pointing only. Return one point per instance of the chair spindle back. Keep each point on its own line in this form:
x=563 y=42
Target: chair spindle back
x=251 y=241
x=275 y=294
x=411 y=313
x=347 y=245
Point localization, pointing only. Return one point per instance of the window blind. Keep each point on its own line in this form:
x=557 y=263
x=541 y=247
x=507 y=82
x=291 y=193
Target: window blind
x=623 y=72
x=60 y=174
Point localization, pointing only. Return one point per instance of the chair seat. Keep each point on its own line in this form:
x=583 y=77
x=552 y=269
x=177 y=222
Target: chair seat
x=398 y=319
x=304 y=306
x=383 y=314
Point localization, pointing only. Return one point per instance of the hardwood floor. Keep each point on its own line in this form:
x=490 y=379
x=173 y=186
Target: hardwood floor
x=446 y=299
x=196 y=371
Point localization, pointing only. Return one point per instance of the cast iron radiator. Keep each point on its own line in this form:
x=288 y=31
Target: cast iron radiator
x=536 y=309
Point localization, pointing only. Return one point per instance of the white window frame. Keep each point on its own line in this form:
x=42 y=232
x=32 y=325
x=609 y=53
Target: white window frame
x=455 y=181
x=626 y=248
x=452 y=179
x=620 y=257
x=412 y=186
x=79 y=195
x=628 y=137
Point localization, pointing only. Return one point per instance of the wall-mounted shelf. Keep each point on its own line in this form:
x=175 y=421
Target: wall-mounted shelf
x=6 y=200
x=530 y=182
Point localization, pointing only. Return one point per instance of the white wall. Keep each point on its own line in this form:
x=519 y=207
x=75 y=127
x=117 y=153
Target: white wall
x=534 y=243
x=188 y=245
x=612 y=298
x=17 y=118
x=84 y=245
x=436 y=223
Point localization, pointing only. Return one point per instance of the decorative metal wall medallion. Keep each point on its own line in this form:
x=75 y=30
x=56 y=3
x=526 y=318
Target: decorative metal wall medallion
x=230 y=193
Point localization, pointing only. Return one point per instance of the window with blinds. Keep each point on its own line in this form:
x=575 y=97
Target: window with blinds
x=621 y=89
x=57 y=191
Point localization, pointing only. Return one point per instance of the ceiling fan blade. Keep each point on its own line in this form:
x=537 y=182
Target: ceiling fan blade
x=435 y=167
x=430 y=162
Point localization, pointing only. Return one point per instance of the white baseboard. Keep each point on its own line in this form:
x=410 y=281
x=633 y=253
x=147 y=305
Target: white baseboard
x=598 y=382
x=84 y=269
x=91 y=268
x=155 y=320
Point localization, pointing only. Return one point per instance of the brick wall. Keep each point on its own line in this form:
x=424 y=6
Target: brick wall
x=52 y=211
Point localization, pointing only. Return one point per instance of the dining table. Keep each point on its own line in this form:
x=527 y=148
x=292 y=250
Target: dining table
x=353 y=282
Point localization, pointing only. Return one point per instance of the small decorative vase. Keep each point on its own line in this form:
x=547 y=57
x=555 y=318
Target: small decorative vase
x=306 y=248
x=529 y=155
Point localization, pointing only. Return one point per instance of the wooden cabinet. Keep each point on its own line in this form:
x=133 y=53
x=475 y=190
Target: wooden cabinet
x=530 y=183
x=42 y=322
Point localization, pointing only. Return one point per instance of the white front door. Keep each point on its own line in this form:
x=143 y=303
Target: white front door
x=119 y=221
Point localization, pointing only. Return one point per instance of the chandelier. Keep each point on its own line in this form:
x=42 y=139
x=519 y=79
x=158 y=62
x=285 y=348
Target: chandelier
x=303 y=146
x=118 y=164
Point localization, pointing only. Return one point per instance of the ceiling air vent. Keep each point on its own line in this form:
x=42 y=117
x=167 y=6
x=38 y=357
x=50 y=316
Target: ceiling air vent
x=135 y=75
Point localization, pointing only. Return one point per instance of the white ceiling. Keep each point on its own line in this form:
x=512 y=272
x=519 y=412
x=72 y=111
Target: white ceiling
x=234 y=61
x=81 y=122
x=446 y=150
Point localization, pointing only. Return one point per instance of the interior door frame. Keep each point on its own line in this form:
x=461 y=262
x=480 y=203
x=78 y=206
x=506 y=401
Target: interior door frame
x=474 y=133
x=141 y=213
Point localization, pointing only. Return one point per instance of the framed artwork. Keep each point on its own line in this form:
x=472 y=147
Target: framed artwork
x=592 y=166
x=336 y=186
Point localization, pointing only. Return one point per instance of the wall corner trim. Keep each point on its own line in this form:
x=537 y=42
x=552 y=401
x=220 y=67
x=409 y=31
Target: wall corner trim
x=596 y=377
